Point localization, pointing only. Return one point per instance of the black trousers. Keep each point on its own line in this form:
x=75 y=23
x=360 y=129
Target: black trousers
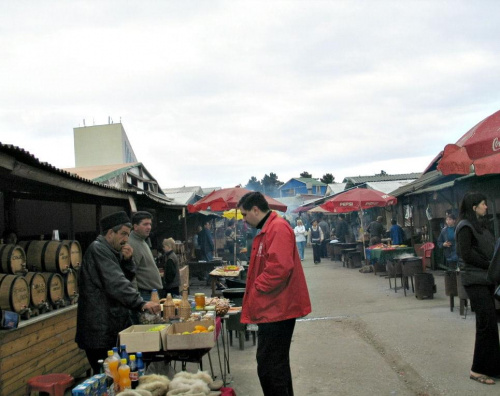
x=324 y=252
x=487 y=348
x=273 y=357
x=316 y=252
x=93 y=355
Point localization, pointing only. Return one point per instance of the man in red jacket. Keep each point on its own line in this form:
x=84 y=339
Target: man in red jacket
x=276 y=293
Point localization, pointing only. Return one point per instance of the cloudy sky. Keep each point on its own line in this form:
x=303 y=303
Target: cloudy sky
x=211 y=93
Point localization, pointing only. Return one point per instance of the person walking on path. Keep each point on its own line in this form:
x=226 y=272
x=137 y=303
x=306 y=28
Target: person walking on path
x=315 y=238
x=475 y=245
x=276 y=293
x=300 y=237
x=147 y=275
x=106 y=293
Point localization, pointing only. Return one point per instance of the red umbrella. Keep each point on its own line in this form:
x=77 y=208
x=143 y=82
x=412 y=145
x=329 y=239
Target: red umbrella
x=479 y=147
x=358 y=199
x=228 y=198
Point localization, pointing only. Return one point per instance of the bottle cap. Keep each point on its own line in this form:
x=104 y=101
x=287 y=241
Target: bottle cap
x=123 y=361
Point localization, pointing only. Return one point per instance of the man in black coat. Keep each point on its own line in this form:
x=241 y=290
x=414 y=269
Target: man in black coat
x=106 y=293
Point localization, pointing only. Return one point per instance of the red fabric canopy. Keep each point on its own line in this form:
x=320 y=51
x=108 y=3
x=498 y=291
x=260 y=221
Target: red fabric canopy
x=228 y=198
x=358 y=199
x=480 y=147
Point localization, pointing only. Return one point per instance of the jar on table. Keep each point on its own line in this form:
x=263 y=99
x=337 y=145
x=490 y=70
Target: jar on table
x=199 y=299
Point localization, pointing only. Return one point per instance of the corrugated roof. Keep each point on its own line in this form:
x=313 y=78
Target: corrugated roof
x=314 y=182
x=335 y=188
x=388 y=186
x=378 y=178
x=101 y=172
x=424 y=180
x=29 y=159
x=183 y=189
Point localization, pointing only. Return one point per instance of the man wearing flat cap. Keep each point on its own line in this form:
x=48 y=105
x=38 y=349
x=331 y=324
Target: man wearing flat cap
x=106 y=291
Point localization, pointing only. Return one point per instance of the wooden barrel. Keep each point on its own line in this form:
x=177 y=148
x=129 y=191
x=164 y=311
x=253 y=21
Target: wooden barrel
x=14 y=293
x=55 y=288
x=70 y=285
x=12 y=259
x=38 y=288
x=47 y=256
x=75 y=253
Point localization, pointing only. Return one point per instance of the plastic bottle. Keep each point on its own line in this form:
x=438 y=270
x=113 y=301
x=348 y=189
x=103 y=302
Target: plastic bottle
x=134 y=373
x=110 y=382
x=140 y=364
x=185 y=307
x=123 y=353
x=113 y=362
x=124 y=373
x=168 y=308
x=154 y=296
x=116 y=354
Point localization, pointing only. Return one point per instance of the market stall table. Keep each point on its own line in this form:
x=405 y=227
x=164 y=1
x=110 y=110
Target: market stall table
x=380 y=255
x=220 y=272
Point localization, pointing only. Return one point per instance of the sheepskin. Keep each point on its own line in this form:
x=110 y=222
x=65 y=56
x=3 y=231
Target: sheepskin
x=156 y=384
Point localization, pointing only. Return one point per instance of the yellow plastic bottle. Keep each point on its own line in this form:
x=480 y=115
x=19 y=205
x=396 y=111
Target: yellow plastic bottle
x=124 y=373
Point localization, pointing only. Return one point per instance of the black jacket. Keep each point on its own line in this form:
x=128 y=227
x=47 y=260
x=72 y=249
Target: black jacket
x=105 y=296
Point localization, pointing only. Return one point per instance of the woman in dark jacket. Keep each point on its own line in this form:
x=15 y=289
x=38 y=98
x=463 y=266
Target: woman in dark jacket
x=475 y=244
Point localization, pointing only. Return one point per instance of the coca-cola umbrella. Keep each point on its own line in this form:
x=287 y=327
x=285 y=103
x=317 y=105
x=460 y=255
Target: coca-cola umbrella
x=358 y=199
x=228 y=198
x=478 y=148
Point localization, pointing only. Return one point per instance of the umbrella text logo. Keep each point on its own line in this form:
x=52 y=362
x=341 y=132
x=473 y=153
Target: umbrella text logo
x=496 y=144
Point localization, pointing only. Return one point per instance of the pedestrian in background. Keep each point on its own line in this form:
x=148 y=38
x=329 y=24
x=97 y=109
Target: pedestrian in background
x=446 y=241
x=325 y=227
x=315 y=238
x=276 y=293
x=475 y=246
x=169 y=263
x=300 y=237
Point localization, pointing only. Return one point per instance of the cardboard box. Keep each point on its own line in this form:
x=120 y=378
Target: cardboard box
x=189 y=341
x=138 y=339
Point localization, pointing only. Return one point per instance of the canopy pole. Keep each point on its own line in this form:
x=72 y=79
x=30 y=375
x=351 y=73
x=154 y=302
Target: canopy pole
x=235 y=232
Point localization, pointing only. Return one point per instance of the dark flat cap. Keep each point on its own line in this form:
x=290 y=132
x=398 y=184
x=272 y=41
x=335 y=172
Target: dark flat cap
x=114 y=220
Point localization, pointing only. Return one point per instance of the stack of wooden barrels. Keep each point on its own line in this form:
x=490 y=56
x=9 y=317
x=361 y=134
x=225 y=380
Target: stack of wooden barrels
x=39 y=276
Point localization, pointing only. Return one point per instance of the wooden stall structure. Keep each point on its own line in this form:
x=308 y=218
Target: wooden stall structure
x=44 y=344
x=37 y=199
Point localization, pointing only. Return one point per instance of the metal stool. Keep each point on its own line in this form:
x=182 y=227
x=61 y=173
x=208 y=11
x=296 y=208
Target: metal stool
x=393 y=271
x=410 y=266
x=53 y=384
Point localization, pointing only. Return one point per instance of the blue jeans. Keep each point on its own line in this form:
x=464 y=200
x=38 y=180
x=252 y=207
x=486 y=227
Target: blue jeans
x=300 y=246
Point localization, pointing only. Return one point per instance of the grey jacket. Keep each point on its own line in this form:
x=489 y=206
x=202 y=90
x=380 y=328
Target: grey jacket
x=105 y=296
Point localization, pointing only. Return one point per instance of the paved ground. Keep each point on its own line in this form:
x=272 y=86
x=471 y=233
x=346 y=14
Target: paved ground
x=362 y=338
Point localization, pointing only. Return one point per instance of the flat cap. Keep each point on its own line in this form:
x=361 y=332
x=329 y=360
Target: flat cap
x=114 y=220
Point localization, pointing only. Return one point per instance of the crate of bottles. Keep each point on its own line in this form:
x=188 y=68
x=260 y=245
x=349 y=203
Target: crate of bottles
x=145 y=338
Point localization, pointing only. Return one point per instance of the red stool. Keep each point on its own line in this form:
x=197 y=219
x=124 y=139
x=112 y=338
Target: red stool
x=53 y=384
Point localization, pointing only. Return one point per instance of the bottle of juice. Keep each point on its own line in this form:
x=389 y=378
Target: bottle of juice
x=113 y=362
x=168 y=308
x=154 y=296
x=124 y=373
x=185 y=307
x=110 y=382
